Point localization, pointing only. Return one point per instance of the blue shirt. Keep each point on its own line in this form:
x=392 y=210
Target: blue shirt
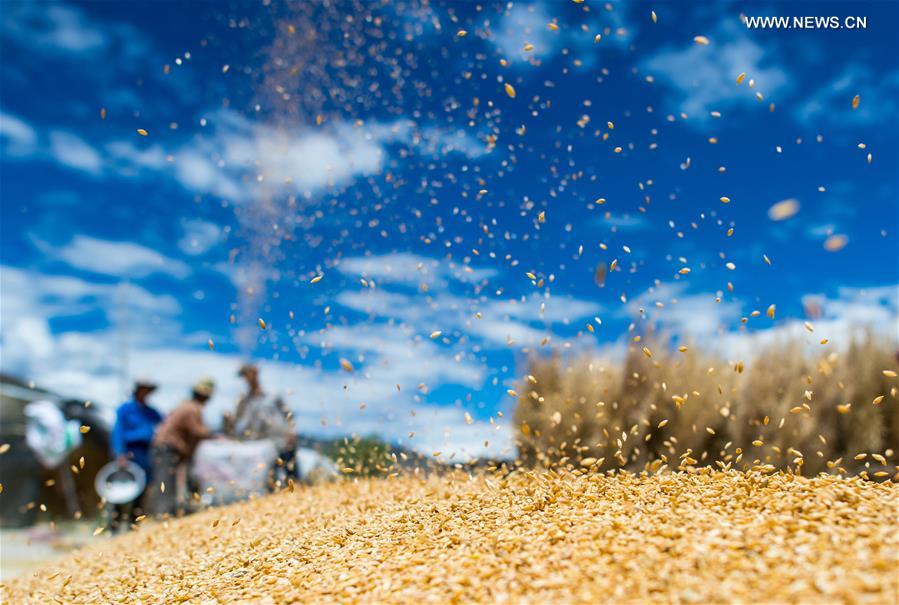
x=133 y=432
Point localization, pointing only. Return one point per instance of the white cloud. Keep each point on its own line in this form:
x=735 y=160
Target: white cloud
x=126 y=159
x=63 y=295
x=696 y=316
x=411 y=270
x=120 y=158
x=843 y=319
x=555 y=309
x=196 y=171
x=17 y=137
x=20 y=141
x=528 y=24
x=65 y=37
x=437 y=142
x=394 y=342
x=199 y=236
x=65 y=33
x=703 y=78
x=53 y=28
x=30 y=337
x=400 y=354
x=240 y=158
x=525 y=24
x=290 y=159
x=78 y=363
x=521 y=322
x=626 y=222
x=73 y=152
x=700 y=315
x=860 y=306
x=119 y=259
x=508 y=333
x=718 y=329
x=830 y=103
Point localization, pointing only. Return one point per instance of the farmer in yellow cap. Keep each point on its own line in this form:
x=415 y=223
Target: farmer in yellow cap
x=174 y=444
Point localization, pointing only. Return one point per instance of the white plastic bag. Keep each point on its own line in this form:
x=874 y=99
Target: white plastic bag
x=234 y=470
x=314 y=467
x=49 y=435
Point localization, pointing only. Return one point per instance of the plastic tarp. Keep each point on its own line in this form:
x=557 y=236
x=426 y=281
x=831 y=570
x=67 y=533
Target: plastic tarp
x=234 y=470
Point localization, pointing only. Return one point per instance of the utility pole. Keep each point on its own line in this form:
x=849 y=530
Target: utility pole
x=124 y=341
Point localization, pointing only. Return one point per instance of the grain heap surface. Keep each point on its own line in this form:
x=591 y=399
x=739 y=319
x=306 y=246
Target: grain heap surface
x=532 y=537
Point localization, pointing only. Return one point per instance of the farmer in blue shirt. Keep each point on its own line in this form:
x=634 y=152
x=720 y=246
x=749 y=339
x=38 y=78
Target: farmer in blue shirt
x=131 y=437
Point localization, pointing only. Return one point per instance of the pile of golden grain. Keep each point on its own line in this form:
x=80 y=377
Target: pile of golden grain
x=531 y=537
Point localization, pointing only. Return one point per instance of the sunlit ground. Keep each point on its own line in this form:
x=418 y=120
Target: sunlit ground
x=26 y=550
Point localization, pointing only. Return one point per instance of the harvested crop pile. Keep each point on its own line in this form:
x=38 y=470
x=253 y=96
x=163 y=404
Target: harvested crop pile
x=531 y=537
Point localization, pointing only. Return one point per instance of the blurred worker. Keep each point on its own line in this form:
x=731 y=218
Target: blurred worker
x=174 y=445
x=261 y=415
x=130 y=440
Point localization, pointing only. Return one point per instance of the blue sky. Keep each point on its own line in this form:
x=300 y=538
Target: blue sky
x=376 y=146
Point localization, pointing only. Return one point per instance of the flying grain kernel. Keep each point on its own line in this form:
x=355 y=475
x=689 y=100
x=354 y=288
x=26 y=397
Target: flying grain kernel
x=835 y=243
x=510 y=90
x=783 y=209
